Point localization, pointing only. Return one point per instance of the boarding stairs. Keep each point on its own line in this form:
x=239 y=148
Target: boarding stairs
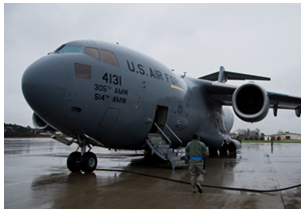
x=163 y=148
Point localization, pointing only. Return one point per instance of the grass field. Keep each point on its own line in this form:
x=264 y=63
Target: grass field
x=275 y=142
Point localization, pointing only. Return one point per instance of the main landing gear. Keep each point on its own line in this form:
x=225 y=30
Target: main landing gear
x=82 y=161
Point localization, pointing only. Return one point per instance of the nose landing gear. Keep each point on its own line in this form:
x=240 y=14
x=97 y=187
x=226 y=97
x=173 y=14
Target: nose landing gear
x=82 y=161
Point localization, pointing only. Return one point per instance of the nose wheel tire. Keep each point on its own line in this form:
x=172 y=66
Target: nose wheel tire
x=73 y=162
x=88 y=162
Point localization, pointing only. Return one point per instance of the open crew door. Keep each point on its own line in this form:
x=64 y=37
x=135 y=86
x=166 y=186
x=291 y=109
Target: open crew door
x=160 y=118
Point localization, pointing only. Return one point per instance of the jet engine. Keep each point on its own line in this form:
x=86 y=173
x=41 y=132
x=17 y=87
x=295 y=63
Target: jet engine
x=41 y=124
x=250 y=102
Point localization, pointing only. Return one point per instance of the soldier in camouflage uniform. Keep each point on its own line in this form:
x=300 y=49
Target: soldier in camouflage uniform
x=196 y=152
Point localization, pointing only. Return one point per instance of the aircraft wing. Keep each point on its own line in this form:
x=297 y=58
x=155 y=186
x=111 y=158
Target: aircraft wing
x=250 y=96
x=223 y=93
x=284 y=101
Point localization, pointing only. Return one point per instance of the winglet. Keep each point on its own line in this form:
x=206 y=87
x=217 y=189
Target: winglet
x=222 y=76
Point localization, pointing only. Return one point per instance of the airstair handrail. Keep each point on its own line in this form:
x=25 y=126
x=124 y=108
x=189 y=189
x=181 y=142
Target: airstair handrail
x=169 y=141
x=175 y=136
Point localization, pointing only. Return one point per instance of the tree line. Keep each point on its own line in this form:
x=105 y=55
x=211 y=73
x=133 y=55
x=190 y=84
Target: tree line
x=247 y=134
x=13 y=130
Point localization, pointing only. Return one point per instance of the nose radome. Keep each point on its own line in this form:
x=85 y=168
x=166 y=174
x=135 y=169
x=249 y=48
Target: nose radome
x=44 y=84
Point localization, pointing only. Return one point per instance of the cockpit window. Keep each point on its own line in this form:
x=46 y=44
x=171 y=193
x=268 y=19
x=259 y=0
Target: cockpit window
x=69 y=49
x=93 y=53
x=109 y=58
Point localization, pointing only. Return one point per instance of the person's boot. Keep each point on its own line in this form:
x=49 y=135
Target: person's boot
x=198 y=185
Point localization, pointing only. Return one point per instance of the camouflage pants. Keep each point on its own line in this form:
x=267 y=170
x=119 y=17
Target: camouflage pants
x=196 y=172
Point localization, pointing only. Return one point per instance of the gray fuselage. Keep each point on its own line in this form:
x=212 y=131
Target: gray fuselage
x=117 y=95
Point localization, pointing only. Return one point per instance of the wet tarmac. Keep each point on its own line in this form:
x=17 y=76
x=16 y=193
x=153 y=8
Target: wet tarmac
x=35 y=176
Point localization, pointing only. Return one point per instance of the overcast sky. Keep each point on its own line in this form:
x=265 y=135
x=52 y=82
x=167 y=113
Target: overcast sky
x=258 y=39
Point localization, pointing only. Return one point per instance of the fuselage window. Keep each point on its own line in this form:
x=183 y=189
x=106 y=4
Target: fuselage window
x=82 y=70
x=109 y=58
x=93 y=53
x=69 y=49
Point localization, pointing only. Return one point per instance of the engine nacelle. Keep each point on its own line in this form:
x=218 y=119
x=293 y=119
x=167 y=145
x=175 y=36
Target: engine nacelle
x=41 y=124
x=250 y=102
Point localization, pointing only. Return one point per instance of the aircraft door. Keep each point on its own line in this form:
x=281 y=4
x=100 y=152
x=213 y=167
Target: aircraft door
x=160 y=118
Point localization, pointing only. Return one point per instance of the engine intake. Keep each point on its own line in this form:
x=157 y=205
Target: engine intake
x=41 y=124
x=250 y=102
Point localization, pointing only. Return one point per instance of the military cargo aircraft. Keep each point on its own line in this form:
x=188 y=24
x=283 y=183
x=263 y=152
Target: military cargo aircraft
x=106 y=95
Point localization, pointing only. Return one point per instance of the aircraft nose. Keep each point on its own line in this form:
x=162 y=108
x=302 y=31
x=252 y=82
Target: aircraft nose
x=44 y=84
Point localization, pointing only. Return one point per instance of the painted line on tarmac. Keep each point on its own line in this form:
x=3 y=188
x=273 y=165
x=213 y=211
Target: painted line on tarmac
x=45 y=178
